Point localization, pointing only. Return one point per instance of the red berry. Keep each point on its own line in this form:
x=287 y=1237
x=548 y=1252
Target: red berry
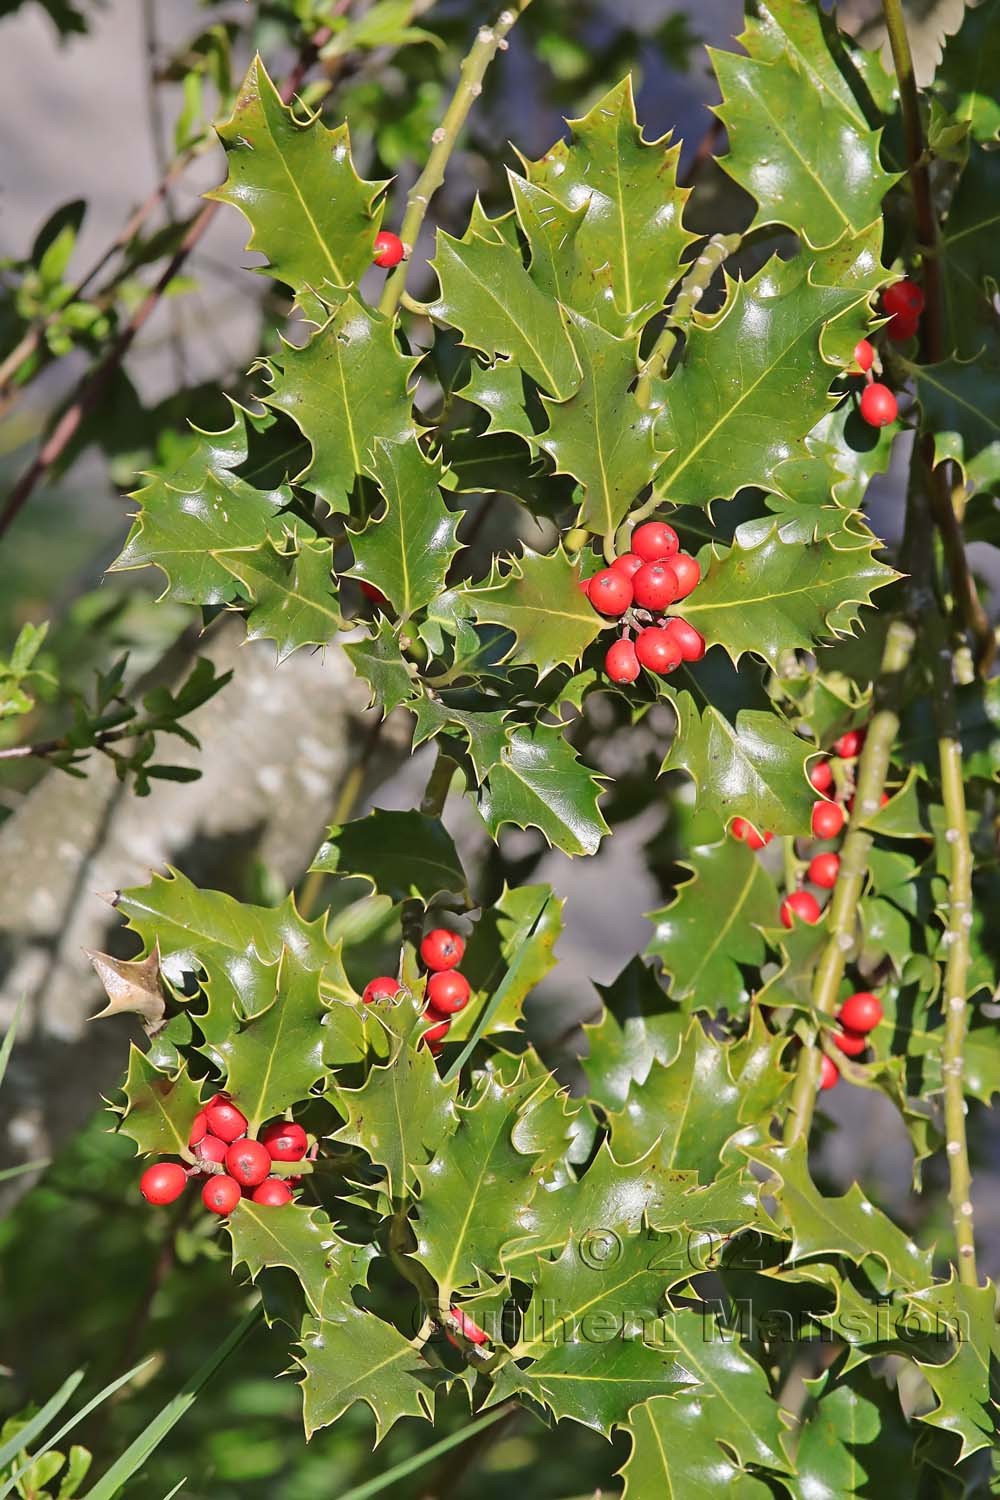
x=389 y=249
x=249 y=1162
x=821 y=775
x=851 y=1043
x=687 y=572
x=655 y=586
x=442 y=949
x=225 y=1121
x=274 y=1192
x=657 y=649
x=220 y=1195
x=621 y=662
x=827 y=819
x=210 y=1148
x=829 y=1074
x=849 y=744
x=436 y=1033
x=467 y=1328
x=904 y=297
x=747 y=833
x=610 y=592
x=629 y=563
x=384 y=987
x=799 y=904
x=654 y=541
x=902 y=327
x=371 y=592
x=690 y=641
x=199 y=1128
x=285 y=1141
x=878 y=405
x=864 y=355
x=860 y=1012
x=823 y=870
x=448 y=992
x=162 y=1182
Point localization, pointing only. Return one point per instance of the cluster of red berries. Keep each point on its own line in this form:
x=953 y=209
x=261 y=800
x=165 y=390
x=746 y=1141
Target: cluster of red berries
x=640 y=586
x=903 y=303
x=447 y=990
x=389 y=249
x=859 y=1015
x=234 y=1166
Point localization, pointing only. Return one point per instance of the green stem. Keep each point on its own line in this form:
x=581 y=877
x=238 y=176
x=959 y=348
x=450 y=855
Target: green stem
x=489 y=40
x=692 y=289
x=417 y=1461
x=842 y=915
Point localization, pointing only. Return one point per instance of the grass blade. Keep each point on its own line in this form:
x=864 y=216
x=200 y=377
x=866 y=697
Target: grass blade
x=137 y=1452
x=25 y=1166
x=426 y=1456
x=40 y=1420
x=7 y=1045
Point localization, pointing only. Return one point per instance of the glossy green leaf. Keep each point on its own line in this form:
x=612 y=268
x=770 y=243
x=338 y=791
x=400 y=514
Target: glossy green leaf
x=966 y=1383
x=402 y=854
x=159 y=1106
x=638 y=1026
x=358 y=1357
x=958 y=405
x=378 y=659
x=676 y=1451
x=274 y=1057
x=538 y=782
x=407 y=550
x=290 y=588
x=302 y=1239
x=511 y=948
x=970 y=70
x=540 y=601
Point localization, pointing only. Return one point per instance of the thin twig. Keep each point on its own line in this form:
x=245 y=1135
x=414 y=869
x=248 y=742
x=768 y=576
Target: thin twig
x=489 y=40
x=692 y=289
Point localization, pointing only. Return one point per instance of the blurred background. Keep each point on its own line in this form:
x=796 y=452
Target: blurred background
x=101 y=99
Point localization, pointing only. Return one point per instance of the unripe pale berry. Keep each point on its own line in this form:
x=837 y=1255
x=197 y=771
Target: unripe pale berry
x=654 y=541
x=249 y=1162
x=655 y=586
x=878 y=405
x=610 y=592
x=829 y=1074
x=827 y=819
x=274 y=1192
x=629 y=563
x=210 y=1148
x=691 y=641
x=851 y=1043
x=220 y=1194
x=441 y=949
x=199 y=1128
x=389 y=249
x=225 y=1121
x=903 y=297
x=823 y=870
x=621 y=662
x=743 y=830
x=163 y=1182
x=861 y=1012
x=436 y=1033
x=821 y=775
x=448 y=992
x=864 y=355
x=800 y=904
x=657 y=650
x=849 y=744
x=383 y=987
x=285 y=1141
x=687 y=572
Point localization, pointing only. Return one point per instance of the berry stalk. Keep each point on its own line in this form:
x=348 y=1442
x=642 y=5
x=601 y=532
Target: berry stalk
x=489 y=40
x=873 y=769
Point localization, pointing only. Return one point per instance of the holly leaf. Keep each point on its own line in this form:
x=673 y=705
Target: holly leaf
x=968 y=257
x=355 y=1356
x=676 y=1451
x=487 y=294
x=402 y=855
x=799 y=142
x=345 y=388
x=773 y=592
x=601 y=435
x=754 y=377
x=290 y=592
x=378 y=659
x=701 y=953
x=639 y=1025
x=511 y=947
x=407 y=551
x=474 y=1193
x=159 y=1106
x=294 y=181
x=400 y=1115
x=626 y=249
x=540 y=601
x=538 y=782
x=302 y=1239
x=274 y=1057
x=193 y=519
x=957 y=400
x=969 y=71
x=966 y=1385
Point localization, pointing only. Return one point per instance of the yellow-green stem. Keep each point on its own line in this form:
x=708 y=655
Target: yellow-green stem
x=489 y=40
x=692 y=289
